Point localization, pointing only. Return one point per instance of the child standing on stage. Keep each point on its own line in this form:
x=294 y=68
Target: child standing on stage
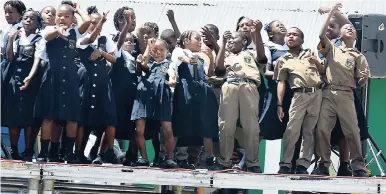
x=195 y=107
x=98 y=107
x=153 y=99
x=24 y=54
x=59 y=97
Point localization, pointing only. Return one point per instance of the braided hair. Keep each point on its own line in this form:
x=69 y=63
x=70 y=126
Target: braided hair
x=17 y=5
x=268 y=28
x=92 y=10
x=185 y=35
x=154 y=27
x=118 y=16
x=70 y=3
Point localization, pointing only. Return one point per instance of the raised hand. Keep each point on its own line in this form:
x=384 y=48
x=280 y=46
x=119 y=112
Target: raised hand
x=170 y=15
x=257 y=26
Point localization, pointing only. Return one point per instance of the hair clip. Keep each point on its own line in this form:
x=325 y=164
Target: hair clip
x=267 y=27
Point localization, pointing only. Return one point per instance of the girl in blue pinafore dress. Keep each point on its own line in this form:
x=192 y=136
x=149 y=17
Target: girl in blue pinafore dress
x=13 y=11
x=24 y=53
x=153 y=99
x=195 y=107
x=58 y=99
x=98 y=106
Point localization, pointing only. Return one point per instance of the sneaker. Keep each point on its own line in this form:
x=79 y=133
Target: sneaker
x=301 y=170
x=344 y=170
x=171 y=164
x=28 y=155
x=284 y=170
x=254 y=169
x=185 y=164
x=216 y=166
x=110 y=157
x=360 y=173
x=97 y=160
x=321 y=170
x=142 y=162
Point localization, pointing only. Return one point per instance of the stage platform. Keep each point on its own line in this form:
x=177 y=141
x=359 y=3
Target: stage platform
x=110 y=175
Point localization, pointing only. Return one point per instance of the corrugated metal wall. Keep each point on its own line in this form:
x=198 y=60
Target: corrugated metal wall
x=194 y=14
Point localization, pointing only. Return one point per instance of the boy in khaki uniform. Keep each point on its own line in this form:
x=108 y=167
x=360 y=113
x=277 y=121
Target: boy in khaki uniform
x=240 y=97
x=346 y=68
x=302 y=70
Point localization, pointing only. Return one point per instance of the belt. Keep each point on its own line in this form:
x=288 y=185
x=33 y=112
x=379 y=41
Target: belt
x=240 y=80
x=338 y=88
x=306 y=90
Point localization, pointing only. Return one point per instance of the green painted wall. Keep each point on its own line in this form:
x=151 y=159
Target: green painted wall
x=377 y=116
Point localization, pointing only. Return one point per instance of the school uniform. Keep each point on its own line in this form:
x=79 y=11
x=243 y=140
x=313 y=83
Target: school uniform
x=304 y=79
x=19 y=104
x=124 y=86
x=98 y=105
x=195 y=107
x=58 y=97
x=337 y=132
x=344 y=66
x=271 y=127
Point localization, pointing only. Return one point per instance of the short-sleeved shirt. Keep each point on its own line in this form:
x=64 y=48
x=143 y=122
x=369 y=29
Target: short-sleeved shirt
x=298 y=71
x=67 y=32
x=344 y=66
x=179 y=52
x=110 y=45
x=242 y=65
x=268 y=53
x=26 y=40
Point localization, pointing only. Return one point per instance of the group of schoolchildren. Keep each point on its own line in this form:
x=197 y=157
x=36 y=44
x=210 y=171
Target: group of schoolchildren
x=183 y=91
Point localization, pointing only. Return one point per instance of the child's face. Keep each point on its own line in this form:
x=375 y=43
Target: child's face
x=148 y=33
x=172 y=41
x=65 y=16
x=11 y=15
x=128 y=45
x=194 y=43
x=48 y=16
x=348 y=32
x=30 y=21
x=333 y=30
x=245 y=26
x=236 y=43
x=95 y=18
x=122 y=21
x=278 y=29
x=159 y=51
x=293 y=38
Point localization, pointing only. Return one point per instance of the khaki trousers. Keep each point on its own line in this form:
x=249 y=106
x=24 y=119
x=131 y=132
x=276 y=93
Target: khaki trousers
x=239 y=101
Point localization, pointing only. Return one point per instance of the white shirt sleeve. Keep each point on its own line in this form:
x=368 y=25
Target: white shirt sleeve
x=268 y=55
x=177 y=52
x=110 y=45
x=79 y=40
x=14 y=47
x=40 y=49
x=118 y=53
x=78 y=34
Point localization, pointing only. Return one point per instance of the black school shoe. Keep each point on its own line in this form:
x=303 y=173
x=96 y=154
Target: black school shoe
x=98 y=159
x=344 y=170
x=28 y=155
x=301 y=170
x=142 y=162
x=53 y=156
x=254 y=169
x=42 y=158
x=216 y=167
x=110 y=157
x=360 y=173
x=321 y=170
x=284 y=170
x=82 y=159
x=129 y=159
x=71 y=158
x=185 y=164
x=170 y=164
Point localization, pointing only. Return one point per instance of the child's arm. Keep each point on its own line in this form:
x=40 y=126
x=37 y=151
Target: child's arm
x=261 y=59
x=86 y=20
x=324 y=41
x=39 y=54
x=205 y=31
x=173 y=22
x=9 y=52
x=339 y=15
x=211 y=66
x=315 y=60
x=108 y=56
x=122 y=36
x=220 y=58
x=95 y=33
x=362 y=71
x=143 y=60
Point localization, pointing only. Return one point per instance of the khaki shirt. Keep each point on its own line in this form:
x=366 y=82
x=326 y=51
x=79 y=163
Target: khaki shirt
x=299 y=72
x=242 y=65
x=344 y=66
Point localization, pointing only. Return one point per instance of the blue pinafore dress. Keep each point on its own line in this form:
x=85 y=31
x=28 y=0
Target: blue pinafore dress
x=124 y=86
x=58 y=97
x=195 y=107
x=270 y=125
x=98 y=104
x=153 y=98
x=19 y=104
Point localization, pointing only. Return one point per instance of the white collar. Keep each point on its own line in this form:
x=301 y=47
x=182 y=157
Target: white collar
x=164 y=61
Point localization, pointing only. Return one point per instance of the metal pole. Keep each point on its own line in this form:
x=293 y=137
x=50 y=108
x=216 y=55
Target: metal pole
x=48 y=186
x=376 y=158
x=33 y=186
